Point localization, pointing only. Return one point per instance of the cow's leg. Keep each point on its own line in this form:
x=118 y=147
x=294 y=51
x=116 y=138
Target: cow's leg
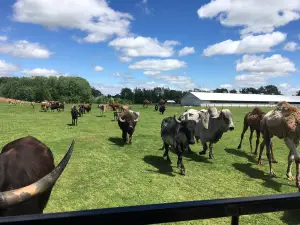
x=76 y=121
x=166 y=153
x=124 y=136
x=211 y=156
x=130 y=138
x=257 y=141
x=268 y=152
x=179 y=162
x=242 y=135
x=203 y=152
x=272 y=154
x=289 y=167
x=250 y=138
x=189 y=149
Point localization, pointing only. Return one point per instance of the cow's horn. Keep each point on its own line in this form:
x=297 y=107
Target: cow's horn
x=178 y=121
x=137 y=119
x=121 y=120
x=13 y=197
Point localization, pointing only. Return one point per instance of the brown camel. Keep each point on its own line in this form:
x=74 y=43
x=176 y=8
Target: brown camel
x=253 y=119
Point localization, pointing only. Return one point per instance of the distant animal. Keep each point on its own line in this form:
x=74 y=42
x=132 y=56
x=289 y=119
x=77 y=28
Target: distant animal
x=32 y=104
x=177 y=134
x=87 y=107
x=45 y=106
x=284 y=123
x=219 y=123
x=103 y=108
x=125 y=108
x=252 y=119
x=81 y=110
x=74 y=114
x=127 y=122
x=115 y=106
x=28 y=175
x=162 y=102
x=162 y=109
x=156 y=107
x=146 y=103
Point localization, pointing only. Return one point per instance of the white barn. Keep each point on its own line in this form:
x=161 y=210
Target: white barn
x=228 y=99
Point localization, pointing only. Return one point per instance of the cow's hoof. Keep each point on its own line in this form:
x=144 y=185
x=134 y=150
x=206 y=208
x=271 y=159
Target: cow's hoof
x=210 y=156
x=130 y=143
x=274 y=161
x=259 y=163
x=291 y=178
x=239 y=147
x=183 y=172
x=272 y=175
x=202 y=153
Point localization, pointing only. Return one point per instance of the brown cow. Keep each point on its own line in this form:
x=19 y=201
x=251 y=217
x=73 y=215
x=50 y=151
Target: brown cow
x=125 y=108
x=146 y=102
x=115 y=106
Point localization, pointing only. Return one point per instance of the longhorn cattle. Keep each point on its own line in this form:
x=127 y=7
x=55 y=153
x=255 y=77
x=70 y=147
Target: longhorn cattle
x=219 y=123
x=177 y=134
x=28 y=175
x=127 y=122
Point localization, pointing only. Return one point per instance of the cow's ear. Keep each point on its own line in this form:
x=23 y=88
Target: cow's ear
x=190 y=114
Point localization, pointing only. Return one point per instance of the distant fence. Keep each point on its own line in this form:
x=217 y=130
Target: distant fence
x=167 y=212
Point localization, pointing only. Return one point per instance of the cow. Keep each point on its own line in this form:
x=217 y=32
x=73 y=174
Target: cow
x=162 y=102
x=81 y=109
x=146 y=102
x=87 y=107
x=115 y=106
x=177 y=134
x=162 y=109
x=28 y=174
x=127 y=122
x=125 y=108
x=45 y=105
x=219 y=123
x=74 y=114
x=156 y=107
x=103 y=108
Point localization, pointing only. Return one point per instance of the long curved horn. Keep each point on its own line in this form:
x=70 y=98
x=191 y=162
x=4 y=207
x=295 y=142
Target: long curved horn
x=10 y=198
x=137 y=119
x=178 y=121
x=121 y=119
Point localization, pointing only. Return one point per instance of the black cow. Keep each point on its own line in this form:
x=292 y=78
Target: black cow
x=127 y=121
x=177 y=134
x=27 y=161
x=74 y=113
x=61 y=106
x=156 y=107
x=81 y=110
x=162 y=109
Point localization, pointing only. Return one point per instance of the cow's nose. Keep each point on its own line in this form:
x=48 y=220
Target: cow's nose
x=231 y=128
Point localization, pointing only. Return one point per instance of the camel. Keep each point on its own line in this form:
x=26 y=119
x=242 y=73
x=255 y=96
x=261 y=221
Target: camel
x=252 y=119
x=284 y=123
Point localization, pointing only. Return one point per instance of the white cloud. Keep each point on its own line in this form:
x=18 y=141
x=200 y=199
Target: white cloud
x=255 y=16
x=106 y=89
x=25 y=49
x=159 y=64
x=125 y=59
x=98 y=68
x=291 y=46
x=7 y=68
x=287 y=89
x=250 y=80
x=94 y=17
x=3 y=38
x=150 y=85
x=186 y=51
x=43 y=72
x=171 y=42
x=117 y=74
x=144 y=5
x=275 y=65
x=152 y=73
x=142 y=46
x=179 y=82
x=248 y=44
x=227 y=86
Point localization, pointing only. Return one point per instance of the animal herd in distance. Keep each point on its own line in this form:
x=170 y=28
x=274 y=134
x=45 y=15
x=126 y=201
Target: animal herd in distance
x=30 y=194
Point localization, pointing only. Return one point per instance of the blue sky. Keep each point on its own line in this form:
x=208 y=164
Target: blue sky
x=147 y=43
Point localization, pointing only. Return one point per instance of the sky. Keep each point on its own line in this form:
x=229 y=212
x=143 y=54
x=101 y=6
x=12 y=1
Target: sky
x=153 y=43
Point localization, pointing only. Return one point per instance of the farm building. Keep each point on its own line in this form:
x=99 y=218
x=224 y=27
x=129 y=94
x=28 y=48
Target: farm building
x=227 y=99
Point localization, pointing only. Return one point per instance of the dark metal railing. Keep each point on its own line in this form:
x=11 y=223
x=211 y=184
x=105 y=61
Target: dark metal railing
x=168 y=212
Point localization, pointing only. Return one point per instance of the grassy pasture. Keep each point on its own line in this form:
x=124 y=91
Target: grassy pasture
x=104 y=173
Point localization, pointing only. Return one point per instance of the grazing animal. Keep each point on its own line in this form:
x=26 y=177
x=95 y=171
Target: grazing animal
x=87 y=107
x=284 y=123
x=103 y=108
x=219 y=123
x=177 y=134
x=125 y=108
x=162 y=102
x=115 y=106
x=74 y=114
x=127 y=122
x=252 y=119
x=146 y=103
x=32 y=104
x=81 y=109
x=28 y=175
x=45 y=106
x=162 y=109
x=156 y=107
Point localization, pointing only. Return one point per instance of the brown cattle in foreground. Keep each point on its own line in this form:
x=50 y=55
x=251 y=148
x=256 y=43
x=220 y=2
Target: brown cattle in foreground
x=284 y=123
x=28 y=175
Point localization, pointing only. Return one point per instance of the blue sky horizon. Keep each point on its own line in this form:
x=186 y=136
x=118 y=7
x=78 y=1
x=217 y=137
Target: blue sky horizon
x=152 y=43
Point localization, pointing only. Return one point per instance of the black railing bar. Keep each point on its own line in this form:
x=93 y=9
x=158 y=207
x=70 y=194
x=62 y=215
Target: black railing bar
x=235 y=220
x=167 y=212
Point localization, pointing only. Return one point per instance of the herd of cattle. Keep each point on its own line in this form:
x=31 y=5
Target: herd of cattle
x=29 y=194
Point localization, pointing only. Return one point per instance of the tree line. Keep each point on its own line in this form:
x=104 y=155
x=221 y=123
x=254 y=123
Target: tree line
x=78 y=90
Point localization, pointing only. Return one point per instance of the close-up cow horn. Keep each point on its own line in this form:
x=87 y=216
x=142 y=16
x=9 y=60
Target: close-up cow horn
x=121 y=120
x=13 y=197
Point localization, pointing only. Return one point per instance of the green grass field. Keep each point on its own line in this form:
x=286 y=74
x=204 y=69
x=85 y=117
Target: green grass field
x=102 y=173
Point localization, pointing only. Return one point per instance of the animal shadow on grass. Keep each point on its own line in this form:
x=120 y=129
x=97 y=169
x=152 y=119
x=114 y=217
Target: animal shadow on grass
x=101 y=116
x=160 y=163
x=291 y=217
x=193 y=156
x=70 y=125
x=241 y=154
x=117 y=141
x=258 y=174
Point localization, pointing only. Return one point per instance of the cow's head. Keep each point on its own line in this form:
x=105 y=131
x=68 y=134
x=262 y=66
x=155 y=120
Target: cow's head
x=188 y=128
x=130 y=118
x=226 y=116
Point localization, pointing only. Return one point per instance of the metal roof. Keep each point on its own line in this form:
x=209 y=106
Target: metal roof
x=205 y=96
